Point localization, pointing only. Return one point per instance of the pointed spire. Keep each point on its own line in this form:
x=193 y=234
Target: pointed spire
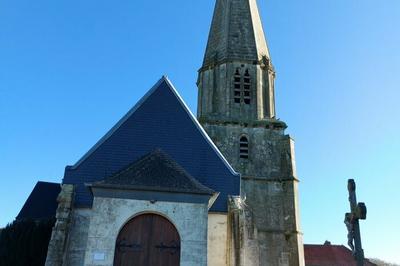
x=236 y=33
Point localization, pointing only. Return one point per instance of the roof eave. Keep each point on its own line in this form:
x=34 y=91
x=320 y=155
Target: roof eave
x=146 y=188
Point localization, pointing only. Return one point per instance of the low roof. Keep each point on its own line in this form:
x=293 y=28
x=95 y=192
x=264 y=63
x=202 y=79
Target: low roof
x=155 y=171
x=41 y=203
x=328 y=255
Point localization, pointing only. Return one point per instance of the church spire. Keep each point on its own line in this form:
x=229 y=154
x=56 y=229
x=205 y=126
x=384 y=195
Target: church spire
x=236 y=81
x=236 y=33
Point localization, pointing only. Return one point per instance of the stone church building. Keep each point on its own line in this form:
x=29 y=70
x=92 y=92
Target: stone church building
x=164 y=187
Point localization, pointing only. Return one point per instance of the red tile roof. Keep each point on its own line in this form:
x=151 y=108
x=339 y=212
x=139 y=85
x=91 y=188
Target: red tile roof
x=330 y=255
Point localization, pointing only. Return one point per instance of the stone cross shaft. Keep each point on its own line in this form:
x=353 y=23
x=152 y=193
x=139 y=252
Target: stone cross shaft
x=358 y=212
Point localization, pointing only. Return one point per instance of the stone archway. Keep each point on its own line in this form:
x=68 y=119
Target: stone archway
x=148 y=239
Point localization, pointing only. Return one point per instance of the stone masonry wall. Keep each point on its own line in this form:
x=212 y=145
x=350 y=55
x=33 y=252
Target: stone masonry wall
x=217 y=239
x=215 y=102
x=269 y=185
x=77 y=239
x=59 y=235
x=109 y=216
x=243 y=235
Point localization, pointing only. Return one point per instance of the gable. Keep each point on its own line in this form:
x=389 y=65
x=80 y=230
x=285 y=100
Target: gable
x=160 y=120
x=155 y=171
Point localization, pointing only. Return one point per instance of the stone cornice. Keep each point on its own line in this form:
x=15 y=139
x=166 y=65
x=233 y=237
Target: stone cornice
x=267 y=123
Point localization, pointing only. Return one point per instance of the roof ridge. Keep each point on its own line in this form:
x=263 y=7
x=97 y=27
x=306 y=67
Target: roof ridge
x=46 y=182
x=324 y=245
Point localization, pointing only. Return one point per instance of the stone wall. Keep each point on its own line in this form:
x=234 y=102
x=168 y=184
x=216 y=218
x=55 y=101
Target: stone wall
x=216 y=94
x=59 y=235
x=243 y=234
x=217 y=239
x=270 y=186
x=77 y=240
x=269 y=182
x=109 y=216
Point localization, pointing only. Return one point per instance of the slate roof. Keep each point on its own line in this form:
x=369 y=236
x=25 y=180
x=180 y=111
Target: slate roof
x=328 y=255
x=41 y=203
x=156 y=171
x=159 y=120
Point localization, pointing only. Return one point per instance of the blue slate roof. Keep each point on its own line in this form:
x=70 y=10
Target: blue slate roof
x=41 y=203
x=159 y=120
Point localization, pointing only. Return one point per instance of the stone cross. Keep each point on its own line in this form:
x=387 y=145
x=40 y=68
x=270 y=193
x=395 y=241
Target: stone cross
x=358 y=212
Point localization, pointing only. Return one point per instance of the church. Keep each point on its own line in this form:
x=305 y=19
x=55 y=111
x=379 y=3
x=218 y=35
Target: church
x=165 y=187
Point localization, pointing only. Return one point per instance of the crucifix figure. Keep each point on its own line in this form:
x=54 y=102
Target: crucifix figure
x=358 y=212
x=348 y=220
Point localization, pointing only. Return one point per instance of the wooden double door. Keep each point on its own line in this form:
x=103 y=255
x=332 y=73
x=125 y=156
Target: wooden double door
x=148 y=240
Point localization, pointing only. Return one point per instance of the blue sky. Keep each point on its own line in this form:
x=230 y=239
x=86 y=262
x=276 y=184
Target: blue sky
x=70 y=69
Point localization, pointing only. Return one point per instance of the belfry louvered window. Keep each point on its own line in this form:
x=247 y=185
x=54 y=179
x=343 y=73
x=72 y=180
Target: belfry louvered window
x=237 y=85
x=242 y=87
x=246 y=87
x=244 y=147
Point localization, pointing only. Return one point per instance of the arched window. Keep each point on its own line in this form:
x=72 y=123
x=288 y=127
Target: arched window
x=242 y=87
x=244 y=147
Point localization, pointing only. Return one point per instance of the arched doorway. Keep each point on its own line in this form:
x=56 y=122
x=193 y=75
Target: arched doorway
x=148 y=240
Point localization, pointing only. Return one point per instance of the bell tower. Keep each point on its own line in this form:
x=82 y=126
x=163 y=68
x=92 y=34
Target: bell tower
x=236 y=106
